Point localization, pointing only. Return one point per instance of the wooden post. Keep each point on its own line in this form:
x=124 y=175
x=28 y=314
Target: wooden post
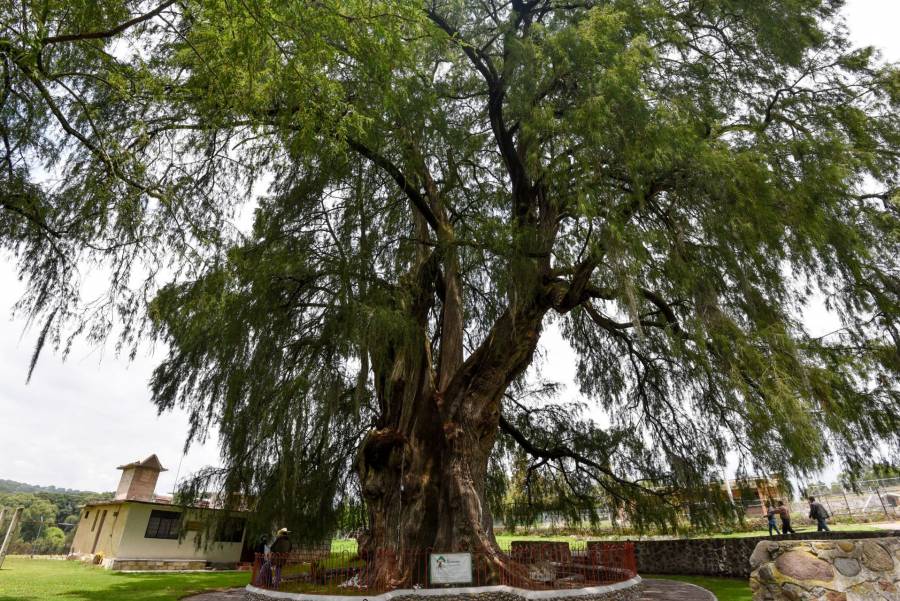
x=2 y=515
x=10 y=533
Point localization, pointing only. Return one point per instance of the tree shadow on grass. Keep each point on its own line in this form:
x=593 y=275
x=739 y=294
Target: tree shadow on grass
x=145 y=587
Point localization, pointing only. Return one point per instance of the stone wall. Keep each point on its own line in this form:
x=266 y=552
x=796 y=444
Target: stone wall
x=718 y=556
x=154 y=565
x=624 y=591
x=843 y=570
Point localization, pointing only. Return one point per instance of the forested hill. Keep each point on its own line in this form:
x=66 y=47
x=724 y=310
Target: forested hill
x=13 y=486
x=49 y=517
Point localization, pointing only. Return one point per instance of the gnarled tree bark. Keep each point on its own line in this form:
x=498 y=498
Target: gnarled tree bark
x=423 y=469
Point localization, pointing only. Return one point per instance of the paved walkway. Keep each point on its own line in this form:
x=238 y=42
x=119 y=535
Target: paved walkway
x=654 y=590
x=233 y=594
x=672 y=590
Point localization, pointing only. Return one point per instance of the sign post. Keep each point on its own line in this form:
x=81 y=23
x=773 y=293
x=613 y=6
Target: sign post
x=450 y=568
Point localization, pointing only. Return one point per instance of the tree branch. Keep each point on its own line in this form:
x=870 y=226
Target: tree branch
x=414 y=195
x=108 y=33
x=665 y=308
x=496 y=94
x=563 y=452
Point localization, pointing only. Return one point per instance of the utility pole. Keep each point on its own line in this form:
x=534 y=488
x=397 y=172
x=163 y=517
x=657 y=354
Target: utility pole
x=2 y=515
x=10 y=533
x=34 y=542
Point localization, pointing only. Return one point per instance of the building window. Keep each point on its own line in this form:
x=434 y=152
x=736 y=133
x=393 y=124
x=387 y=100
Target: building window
x=231 y=530
x=86 y=514
x=163 y=524
x=94 y=525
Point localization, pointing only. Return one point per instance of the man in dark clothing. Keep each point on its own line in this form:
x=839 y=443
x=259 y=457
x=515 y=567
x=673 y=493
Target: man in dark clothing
x=280 y=548
x=785 y=519
x=818 y=512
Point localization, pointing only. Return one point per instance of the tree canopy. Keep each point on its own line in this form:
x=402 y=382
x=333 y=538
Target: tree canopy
x=671 y=183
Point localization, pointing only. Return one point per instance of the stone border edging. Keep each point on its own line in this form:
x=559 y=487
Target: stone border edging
x=438 y=592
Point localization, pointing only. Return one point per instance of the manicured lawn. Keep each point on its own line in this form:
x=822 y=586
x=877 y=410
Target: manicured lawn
x=348 y=545
x=725 y=589
x=343 y=545
x=23 y=579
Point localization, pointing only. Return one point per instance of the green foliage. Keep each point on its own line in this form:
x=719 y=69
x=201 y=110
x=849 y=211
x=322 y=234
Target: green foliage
x=13 y=486
x=50 y=514
x=673 y=183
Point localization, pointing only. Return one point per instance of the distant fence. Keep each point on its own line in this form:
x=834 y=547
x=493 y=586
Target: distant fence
x=871 y=497
x=535 y=566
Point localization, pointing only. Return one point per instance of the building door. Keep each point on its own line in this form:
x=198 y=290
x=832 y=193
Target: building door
x=99 y=530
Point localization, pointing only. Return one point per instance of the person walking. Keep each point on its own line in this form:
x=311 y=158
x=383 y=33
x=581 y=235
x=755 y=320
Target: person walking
x=770 y=516
x=279 y=550
x=818 y=513
x=785 y=519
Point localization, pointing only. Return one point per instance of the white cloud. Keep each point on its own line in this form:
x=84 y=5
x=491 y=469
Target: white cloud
x=874 y=23
x=80 y=418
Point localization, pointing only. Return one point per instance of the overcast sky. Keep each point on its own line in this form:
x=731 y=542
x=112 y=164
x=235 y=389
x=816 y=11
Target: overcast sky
x=80 y=418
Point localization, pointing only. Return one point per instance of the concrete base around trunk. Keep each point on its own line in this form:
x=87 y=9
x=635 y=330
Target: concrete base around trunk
x=630 y=590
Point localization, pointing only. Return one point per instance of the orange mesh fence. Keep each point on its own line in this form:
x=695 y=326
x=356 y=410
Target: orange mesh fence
x=536 y=566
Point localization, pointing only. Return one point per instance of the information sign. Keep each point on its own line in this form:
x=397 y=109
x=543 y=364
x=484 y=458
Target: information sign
x=451 y=568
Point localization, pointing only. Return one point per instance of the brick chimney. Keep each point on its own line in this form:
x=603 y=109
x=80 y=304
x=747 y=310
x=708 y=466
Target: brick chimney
x=139 y=479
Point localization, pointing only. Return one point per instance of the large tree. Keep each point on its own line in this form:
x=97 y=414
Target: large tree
x=671 y=183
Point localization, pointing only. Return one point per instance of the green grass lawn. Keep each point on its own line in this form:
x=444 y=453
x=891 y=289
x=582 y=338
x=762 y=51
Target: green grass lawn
x=725 y=589
x=348 y=545
x=23 y=579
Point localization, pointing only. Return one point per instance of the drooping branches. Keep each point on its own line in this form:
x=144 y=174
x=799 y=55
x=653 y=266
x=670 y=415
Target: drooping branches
x=670 y=184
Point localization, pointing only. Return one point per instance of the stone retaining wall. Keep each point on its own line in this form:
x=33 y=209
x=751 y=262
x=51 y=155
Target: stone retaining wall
x=843 y=570
x=719 y=556
x=629 y=590
x=154 y=565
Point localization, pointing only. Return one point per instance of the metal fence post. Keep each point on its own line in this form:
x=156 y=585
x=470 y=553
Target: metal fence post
x=883 y=506
x=34 y=542
x=847 y=503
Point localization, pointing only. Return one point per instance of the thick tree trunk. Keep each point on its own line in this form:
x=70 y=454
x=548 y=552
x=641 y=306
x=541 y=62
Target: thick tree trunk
x=423 y=470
